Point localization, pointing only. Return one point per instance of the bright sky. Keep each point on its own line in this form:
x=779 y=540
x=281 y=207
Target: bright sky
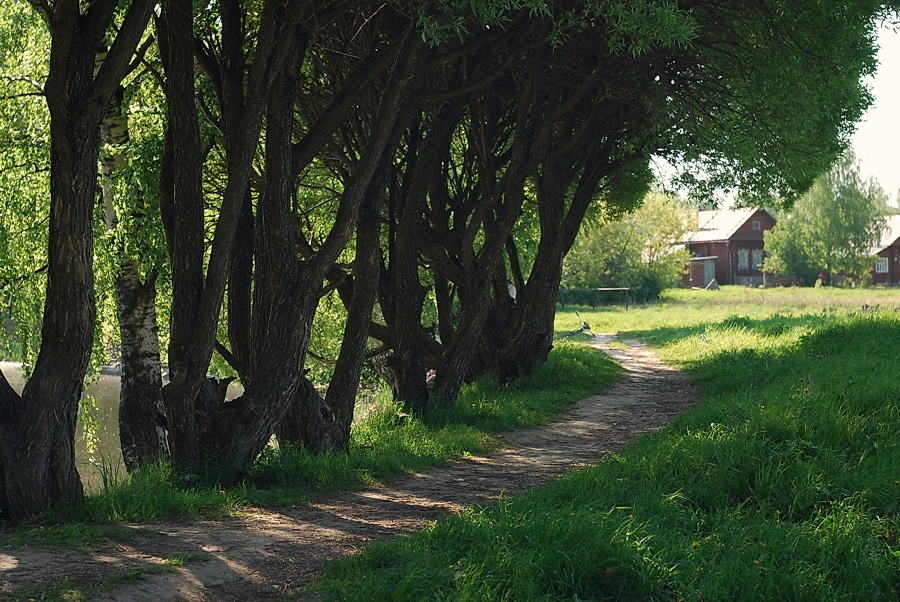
x=877 y=138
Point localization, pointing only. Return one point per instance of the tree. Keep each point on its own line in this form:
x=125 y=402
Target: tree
x=715 y=105
x=832 y=228
x=133 y=253
x=37 y=429
x=634 y=251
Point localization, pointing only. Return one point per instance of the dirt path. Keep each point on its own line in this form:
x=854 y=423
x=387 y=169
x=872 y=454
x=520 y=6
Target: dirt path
x=268 y=555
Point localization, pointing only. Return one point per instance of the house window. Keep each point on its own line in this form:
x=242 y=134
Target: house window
x=881 y=265
x=757 y=225
x=743 y=259
x=757 y=259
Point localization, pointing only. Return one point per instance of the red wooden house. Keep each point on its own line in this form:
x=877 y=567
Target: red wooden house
x=887 y=266
x=727 y=247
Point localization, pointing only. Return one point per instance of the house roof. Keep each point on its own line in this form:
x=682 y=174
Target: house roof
x=890 y=233
x=720 y=224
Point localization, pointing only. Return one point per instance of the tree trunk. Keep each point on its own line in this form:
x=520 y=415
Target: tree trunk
x=141 y=432
x=181 y=208
x=244 y=90
x=341 y=395
x=38 y=429
x=141 y=412
x=309 y=422
x=286 y=289
x=407 y=293
x=533 y=319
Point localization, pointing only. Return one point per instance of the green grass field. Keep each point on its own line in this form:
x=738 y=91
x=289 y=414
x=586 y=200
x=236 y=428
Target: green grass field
x=784 y=484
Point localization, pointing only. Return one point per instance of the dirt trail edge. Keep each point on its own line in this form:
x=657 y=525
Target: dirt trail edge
x=268 y=555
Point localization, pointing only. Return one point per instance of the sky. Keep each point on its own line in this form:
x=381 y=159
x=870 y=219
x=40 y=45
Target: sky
x=877 y=138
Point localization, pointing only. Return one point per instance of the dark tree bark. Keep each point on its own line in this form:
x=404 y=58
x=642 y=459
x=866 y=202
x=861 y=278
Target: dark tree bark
x=571 y=178
x=531 y=325
x=181 y=208
x=240 y=293
x=285 y=286
x=312 y=421
x=243 y=90
x=407 y=292
x=341 y=395
x=37 y=430
x=497 y=213
x=309 y=422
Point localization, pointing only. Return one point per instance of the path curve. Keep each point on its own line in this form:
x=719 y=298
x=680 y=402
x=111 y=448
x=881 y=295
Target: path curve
x=268 y=555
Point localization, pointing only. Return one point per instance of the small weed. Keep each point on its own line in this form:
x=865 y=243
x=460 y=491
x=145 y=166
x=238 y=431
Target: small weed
x=185 y=558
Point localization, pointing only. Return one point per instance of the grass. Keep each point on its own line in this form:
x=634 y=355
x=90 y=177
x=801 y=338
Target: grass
x=783 y=484
x=385 y=444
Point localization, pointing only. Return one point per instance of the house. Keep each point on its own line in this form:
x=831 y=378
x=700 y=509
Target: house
x=887 y=266
x=727 y=246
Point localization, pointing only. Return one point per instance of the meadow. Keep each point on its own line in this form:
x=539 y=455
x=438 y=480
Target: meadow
x=783 y=484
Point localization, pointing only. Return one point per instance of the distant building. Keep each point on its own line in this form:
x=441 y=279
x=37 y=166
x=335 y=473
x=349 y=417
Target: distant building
x=887 y=266
x=727 y=247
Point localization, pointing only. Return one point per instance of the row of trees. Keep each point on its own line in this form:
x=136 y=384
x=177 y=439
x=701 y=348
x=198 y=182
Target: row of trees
x=224 y=166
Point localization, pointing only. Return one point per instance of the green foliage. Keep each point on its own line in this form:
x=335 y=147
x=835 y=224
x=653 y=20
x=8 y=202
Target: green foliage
x=635 y=251
x=24 y=189
x=781 y=485
x=749 y=144
x=635 y=27
x=834 y=227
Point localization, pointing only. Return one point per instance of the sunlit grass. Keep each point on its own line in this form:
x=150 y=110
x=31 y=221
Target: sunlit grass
x=783 y=484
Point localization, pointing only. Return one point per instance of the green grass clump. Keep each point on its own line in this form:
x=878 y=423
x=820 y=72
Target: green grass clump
x=783 y=484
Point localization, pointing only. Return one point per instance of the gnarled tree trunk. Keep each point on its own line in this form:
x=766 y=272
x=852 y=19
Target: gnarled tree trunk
x=37 y=430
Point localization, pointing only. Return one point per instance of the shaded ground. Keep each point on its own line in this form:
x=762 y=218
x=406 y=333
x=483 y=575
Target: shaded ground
x=268 y=555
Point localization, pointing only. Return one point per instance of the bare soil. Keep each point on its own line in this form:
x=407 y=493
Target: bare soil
x=271 y=554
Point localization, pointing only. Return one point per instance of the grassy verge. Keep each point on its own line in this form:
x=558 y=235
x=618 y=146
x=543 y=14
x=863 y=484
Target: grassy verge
x=386 y=444
x=783 y=485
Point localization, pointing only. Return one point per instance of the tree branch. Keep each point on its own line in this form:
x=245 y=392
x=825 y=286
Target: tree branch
x=38 y=86
x=22 y=277
x=232 y=360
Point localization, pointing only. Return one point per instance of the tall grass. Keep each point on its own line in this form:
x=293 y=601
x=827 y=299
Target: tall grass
x=783 y=484
x=386 y=443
